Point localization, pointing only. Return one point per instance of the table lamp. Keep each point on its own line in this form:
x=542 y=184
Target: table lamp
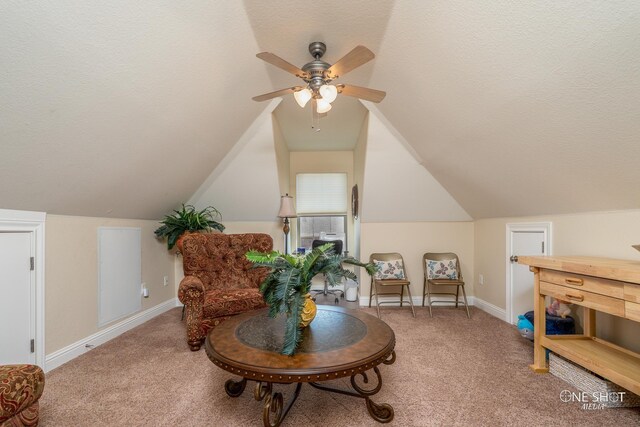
x=287 y=210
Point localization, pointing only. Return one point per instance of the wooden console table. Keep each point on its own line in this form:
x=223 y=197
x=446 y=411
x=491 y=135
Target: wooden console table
x=597 y=284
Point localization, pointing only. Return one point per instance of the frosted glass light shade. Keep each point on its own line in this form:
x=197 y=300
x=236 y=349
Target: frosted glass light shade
x=329 y=92
x=322 y=105
x=302 y=97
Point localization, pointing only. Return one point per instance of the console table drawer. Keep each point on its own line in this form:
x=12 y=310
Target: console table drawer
x=596 y=285
x=592 y=300
x=632 y=311
x=632 y=292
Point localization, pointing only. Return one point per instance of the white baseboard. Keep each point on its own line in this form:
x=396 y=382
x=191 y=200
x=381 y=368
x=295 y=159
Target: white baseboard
x=74 y=350
x=493 y=310
x=417 y=300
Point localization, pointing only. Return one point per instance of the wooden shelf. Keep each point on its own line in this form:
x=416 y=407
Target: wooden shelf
x=614 y=363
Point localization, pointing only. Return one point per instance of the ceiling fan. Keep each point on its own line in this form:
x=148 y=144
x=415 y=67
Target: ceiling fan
x=317 y=75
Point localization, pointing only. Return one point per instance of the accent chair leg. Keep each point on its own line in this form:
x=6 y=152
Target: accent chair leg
x=464 y=295
x=457 y=295
x=429 y=298
x=410 y=300
x=377 y=302
x=370 y=292
x=401 y=295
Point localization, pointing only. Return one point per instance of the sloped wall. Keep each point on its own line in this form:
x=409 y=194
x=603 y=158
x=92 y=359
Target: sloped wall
x=397 y=187
x=245 y=185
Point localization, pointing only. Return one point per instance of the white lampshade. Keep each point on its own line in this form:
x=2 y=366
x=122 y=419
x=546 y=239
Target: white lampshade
x=329 y=92
x=322 y=105
x=287 y=208
x=302 y=96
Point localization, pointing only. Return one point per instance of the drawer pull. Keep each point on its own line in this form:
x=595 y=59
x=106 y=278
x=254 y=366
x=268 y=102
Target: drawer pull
x=578 y=298
x=572 y=281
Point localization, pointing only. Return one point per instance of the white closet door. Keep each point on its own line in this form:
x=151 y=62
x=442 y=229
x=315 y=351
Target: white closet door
x=17 y=322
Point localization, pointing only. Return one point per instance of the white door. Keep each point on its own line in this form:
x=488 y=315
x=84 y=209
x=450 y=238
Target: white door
x=523 y=242
x=17 y=298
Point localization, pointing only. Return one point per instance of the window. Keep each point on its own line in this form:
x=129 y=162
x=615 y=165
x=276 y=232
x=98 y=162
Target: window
x=321 y=204
x=329 y=227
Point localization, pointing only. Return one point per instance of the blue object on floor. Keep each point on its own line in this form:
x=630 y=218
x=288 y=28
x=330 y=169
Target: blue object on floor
x=525 y=327
x=555 y=325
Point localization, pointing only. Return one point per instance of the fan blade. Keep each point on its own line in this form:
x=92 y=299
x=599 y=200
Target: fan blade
x=282 y=64
x=358 y=56
x=362 y=92
x=277 y=93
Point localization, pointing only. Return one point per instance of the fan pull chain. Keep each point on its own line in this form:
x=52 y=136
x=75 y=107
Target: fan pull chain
x=315 y=117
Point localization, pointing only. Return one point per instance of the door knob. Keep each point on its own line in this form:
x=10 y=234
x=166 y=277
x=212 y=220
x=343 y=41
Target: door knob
x=513 y=258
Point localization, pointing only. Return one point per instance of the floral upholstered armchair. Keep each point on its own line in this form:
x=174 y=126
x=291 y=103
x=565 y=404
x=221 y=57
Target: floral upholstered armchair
x=219 y=281
x=20 y=388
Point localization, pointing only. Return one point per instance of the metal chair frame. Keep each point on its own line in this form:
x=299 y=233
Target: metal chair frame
x=389 y=282
x=459 y=283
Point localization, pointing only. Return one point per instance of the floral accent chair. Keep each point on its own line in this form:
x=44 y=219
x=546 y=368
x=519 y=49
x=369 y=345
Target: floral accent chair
x=442 y=269
x=219 y=281
x=20 y=388
x=390 y=274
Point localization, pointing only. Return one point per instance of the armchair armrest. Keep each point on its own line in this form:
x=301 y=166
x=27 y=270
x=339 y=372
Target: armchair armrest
x=20 y=387
x=191 y=294
x=191 y=288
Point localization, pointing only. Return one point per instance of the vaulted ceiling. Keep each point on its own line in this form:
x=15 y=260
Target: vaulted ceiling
x=123 y=109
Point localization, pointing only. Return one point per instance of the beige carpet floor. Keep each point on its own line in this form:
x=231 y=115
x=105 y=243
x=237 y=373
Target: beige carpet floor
x=449 y=371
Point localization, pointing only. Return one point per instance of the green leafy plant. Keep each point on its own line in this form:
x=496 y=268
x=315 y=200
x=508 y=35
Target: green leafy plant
x=289 y=280
x=188 y=219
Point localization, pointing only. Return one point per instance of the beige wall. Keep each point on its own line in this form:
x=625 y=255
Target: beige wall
x=604 y=234
x=71 y=285
x=412 y=240
x=282 y=156
x=359 y=159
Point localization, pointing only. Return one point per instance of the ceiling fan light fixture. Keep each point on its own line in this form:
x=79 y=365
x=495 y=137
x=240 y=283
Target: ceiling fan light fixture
x=322 y=105
x=329 y=92
x=302 y=96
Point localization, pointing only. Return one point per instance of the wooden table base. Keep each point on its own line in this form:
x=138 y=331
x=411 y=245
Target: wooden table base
x=274 y=411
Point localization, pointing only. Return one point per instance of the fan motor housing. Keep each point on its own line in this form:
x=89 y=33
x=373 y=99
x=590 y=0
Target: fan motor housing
x=316 y=68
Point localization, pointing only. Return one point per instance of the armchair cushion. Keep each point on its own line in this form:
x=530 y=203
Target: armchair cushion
x=20 y=388
x=235 y=301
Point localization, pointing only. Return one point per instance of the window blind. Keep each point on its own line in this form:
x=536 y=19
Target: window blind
x=318 y=193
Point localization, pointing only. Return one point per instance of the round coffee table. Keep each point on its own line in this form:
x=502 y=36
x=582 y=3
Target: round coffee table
x=338 y=343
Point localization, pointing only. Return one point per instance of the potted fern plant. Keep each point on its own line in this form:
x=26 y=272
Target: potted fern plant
x=286 y=288
x=188 y=219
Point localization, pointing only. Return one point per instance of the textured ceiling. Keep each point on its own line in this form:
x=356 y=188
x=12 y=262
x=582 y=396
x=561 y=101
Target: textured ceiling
x=519 y=108
x=337 y=131
x=123 y=109
x=119 y=108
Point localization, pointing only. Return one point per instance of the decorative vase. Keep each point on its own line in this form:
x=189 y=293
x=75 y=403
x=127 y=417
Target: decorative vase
x=308 y=311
